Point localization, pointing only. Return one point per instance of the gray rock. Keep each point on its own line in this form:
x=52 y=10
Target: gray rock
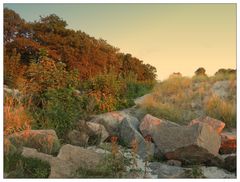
x=215 y=172
x=68 y=161
x=216 y=124
x=149 y=122
x=99 y=132
x=79 y=138
x=111 y=121
x=198 y=143
x=168 y=171
x=129 y=134
x=174 y=163
x=43 y=140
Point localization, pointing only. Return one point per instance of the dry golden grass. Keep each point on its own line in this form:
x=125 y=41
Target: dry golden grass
x=15 y=117
x=221 y=109
x=174 y=99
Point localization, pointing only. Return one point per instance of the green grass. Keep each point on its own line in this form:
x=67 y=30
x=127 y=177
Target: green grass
x=110 y=167
x=17 y=166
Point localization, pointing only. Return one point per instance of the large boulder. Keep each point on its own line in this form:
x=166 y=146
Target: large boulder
x=99 y=133
x=130 y=136
x=79 y=138
x=111 y=121
x=149 y=122
x=79 y=156
x=68 y=161
x=216 y=124
x=87 y=133
x=194 y=144
x=43 y=140
x=228 y=142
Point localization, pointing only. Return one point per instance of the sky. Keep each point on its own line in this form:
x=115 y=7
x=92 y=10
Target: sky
x=171 y=37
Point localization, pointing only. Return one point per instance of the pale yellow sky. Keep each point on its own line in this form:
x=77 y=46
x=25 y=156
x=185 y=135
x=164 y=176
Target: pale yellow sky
x=171 y=37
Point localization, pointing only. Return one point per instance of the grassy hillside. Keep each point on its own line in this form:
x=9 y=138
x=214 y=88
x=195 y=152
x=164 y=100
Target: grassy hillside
x=181 y=99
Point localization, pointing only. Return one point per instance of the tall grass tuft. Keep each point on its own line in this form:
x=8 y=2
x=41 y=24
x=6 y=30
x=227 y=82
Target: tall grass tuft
x=16 y=117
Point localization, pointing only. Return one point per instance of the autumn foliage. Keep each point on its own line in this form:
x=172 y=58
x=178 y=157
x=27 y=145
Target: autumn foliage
x=76 y=49
x=65 y=75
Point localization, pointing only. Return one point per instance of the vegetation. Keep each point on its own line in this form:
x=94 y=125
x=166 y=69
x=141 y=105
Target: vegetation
x=16 y=117
x=17 y=166
x=181 y=99
x=65 y=75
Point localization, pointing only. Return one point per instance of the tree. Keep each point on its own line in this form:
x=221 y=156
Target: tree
x=200 y=72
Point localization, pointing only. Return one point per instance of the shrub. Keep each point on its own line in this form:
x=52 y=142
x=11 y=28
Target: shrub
x=46 y=75
x=61 y=109
x=200 y=71
x=105 y=90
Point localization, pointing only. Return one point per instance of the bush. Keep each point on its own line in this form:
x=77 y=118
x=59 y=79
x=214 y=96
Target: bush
x=105 y=90
x=108 y=92
x=46 y=75
x=61 y=109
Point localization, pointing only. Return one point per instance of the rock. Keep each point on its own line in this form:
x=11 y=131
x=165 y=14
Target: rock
x=77 y=155
x=149 y=122
x=87 y=133
x=111 y=121
x=68 y=161
x=79 y=138
x=99 y=132
x=228 y=142
x=13 y=92
x=230 y=163
x=215 y=172
x=43 y=140
x=140 y=100
x=167 y=171
x=216 y=124
x=221 y=89
x=195 y=144
x=129 y=135
x=174 y=163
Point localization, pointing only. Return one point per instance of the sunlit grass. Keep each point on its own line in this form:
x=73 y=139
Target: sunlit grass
x=15 y=116
x=222 y=110
x=181 y=99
